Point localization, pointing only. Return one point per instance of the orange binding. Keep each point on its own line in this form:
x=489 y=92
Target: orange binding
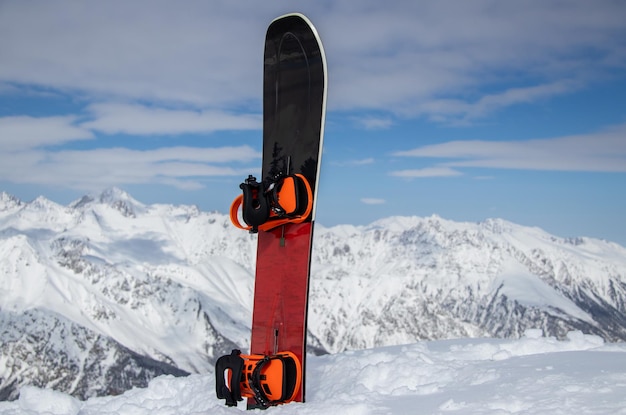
x=270 y=380
x=288 y=199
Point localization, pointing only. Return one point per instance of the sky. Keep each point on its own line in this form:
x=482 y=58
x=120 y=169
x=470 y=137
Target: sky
x=468 y=109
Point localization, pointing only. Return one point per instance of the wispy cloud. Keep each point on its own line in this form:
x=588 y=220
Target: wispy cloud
x=459 y=63
x=182 y=167
x=32 y=149
x=357 y=162
x=373 y=123
x=111 y=118
x=116 y=49
x=426 y=173
x=25 y=132
x=604 y=151
x=218 y=155
x=168 y=72
x=372 y=201
x=405 y=58
x=459 y=111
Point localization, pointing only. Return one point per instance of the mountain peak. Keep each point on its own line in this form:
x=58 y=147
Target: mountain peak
x=8 y=201
x=114 y=194
x=45 y=205
x=113 y=197
x=122 y=201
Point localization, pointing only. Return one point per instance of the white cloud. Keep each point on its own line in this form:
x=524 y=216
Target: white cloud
x=357 y=162
x=449 y=61
x=25 y=132
x=362 y=162
x=111 y=118
x=200 y=53
x=461 y=111
x=404 y=57
x=373 y=123
x=372 y=201
x=182 y=167
x=426 y=172
x=160 y=155
x=604 y=151
x=32 y=149
x=452 y=61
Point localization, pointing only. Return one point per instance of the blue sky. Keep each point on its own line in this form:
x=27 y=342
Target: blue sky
x=466 y=109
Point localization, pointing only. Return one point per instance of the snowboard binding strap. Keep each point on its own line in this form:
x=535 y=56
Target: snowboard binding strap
x=269 y=380
x=287 y=199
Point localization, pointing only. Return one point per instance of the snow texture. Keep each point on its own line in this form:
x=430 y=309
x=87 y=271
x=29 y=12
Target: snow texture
x=107 y=293
x=533 y=375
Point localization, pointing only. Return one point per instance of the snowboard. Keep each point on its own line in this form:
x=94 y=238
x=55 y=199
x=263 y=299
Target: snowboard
x=294 y=105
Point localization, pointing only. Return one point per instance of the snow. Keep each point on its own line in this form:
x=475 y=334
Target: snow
x=521 y=285
x=176 y=285
x=532 y=375
x=118 y=267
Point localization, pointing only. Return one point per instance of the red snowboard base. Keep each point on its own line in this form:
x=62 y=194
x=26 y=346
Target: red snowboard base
x=281 y=293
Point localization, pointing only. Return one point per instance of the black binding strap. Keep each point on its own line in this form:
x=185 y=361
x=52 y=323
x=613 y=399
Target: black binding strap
x=289 y=380
x=255 y=384
x=300 y=196
x=235 y=363
x=255 y=208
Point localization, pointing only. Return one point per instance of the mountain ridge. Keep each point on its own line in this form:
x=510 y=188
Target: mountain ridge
x=174 y=284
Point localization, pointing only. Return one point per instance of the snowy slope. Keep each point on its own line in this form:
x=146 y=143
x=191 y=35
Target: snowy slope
x=530 y=376
x=148 y=279
x=44 y=349
x=169 y=288
x=402 y=279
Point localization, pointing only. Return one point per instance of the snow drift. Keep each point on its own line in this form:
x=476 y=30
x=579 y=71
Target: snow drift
x=533 y=375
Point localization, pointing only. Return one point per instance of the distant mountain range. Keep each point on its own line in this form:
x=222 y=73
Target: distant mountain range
x=107 y=293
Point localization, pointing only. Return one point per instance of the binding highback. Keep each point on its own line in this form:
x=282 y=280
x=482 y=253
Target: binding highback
x=255 y=204
x=225 y=368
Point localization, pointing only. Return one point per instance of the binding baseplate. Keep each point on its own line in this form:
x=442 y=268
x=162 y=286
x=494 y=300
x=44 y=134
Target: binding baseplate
x=286 y=199
x=270 y=380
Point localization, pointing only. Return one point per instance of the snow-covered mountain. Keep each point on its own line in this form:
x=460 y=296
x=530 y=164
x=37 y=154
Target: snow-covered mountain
x=402 y=279
x=110 y=289
x=106 y=293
